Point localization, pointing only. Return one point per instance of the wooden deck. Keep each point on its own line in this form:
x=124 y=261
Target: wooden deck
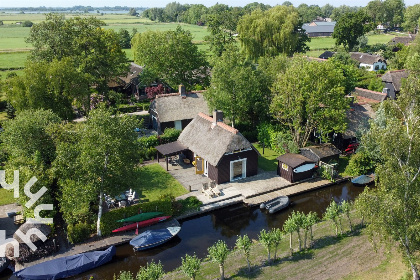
x=291 y=190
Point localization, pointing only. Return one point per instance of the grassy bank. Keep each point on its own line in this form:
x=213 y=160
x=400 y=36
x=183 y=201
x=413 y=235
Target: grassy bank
x=6 y=197
x=348 y=257
x=267 y=161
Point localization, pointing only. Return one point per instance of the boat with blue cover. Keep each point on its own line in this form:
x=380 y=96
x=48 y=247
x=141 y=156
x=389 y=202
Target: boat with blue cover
x=66 y=266
x=363 y=180
x=155 y=237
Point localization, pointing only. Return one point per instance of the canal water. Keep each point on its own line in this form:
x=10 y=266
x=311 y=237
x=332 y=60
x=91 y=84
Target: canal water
x=199 y=233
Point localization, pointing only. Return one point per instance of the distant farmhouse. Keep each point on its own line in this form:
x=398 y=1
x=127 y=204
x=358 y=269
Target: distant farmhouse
x=369 y=61
x=319 y=28
x=176 y=110
x=406 y=40
x=392 y=81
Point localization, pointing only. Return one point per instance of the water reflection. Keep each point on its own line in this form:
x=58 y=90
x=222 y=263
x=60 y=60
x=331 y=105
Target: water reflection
x=200 y=233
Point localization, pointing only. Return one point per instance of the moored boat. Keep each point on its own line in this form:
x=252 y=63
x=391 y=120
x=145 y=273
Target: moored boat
x=363 y=180
x=155 y=237
x=141 y=217
x=275 y=204
x=141 y=224
x=66 y=266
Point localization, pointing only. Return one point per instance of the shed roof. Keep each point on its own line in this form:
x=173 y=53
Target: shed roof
x=171 y=149
x=212 y=141
x=375 y=96
x=173 y=107
x=366 y=58
x=294 y=160
x=395 y=77
x=358 y=117
x=406 y=40
x=323 y=150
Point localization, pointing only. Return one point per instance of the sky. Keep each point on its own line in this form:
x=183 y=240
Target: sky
x=162 y=3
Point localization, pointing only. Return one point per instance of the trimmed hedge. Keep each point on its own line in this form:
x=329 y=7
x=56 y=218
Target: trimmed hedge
x=109 y=219
x=78 y=233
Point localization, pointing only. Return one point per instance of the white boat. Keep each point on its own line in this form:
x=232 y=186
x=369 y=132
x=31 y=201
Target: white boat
x=363 y=180
x=305 y=167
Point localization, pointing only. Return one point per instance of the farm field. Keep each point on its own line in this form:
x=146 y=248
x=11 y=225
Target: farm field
x=12 y=60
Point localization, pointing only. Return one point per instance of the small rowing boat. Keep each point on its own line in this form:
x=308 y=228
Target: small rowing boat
x=142 y=224
x=141 y=217
x=275 y=204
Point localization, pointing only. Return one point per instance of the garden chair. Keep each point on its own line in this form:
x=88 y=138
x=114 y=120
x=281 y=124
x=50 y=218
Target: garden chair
x=214 y=188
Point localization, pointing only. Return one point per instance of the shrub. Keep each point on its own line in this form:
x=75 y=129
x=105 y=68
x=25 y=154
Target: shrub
x=360 y=163
x=276 y=139
x=170 y=135
x=78 y=233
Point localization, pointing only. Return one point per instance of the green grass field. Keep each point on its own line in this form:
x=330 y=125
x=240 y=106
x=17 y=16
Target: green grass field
x=12 y=60
x=6 y=197
x=266 y=161
x=154 y=182
x=321 y=43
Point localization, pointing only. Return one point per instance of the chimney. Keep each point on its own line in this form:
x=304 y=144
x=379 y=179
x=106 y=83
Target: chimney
x=182 y=91
x=217 y=116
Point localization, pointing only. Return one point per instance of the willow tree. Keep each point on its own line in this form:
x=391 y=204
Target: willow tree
x=309 y=96
x=272 y=32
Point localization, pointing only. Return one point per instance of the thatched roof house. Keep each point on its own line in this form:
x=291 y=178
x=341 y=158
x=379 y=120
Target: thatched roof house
x=405 y=40
x=322 y=152
x=128 y=84
x=221 y=152
x=288 y=164
x=392 y=81
x=369 y=61
x=176 y=109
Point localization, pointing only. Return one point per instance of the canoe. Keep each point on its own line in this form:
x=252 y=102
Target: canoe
x=154 y=237
x=4 y=263
x=141 y=224
x=66 y=266
x=363 y=180
x=141 y=217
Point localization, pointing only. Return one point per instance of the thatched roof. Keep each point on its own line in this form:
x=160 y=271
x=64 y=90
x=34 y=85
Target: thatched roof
x=212 y=141
x=358 y=117
x=370 y=95
x=323 y=150
x=395 y=77
x=326 y=54
x=406 y=40
x=131 y=76
x=366 y=58
x=173 y=107
x=294 y=160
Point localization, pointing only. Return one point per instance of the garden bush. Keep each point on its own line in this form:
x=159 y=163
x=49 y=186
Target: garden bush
x=78 y=233
x=170 y=135
x=276 y=139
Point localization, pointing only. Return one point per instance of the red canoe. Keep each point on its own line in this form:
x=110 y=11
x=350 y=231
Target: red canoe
x=146 y=223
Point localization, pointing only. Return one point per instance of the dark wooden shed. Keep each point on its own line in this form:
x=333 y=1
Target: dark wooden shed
x=322 y=152
x=288 y=163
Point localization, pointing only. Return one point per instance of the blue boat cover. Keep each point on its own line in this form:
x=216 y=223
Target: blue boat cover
x=66 y=266
x=151 y=238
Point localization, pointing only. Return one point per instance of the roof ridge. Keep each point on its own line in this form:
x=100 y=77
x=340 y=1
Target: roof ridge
x=220 y=124
x=363 y=89
x=167 y=94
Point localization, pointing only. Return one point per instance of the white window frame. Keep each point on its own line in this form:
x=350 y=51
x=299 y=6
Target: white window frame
x=244 y=161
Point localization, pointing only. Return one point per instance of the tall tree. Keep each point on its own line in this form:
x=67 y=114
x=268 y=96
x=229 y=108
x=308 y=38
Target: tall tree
x=394 y=12
x=376 y=11
x=244 y=244
x=236 y=88
x=269 y=33
x=190 y=265
x=101 y=160
x=327 y=10
x=171 y=56
x=392 y=209
x=350 y=27
x=411 y=18
x=94 y=51
x=309 y=95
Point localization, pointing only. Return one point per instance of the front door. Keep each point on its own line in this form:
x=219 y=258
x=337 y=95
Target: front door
x=199 y=165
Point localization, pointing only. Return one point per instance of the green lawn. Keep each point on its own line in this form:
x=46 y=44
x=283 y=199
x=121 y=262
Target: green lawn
x=266 y=161
x=6 y=197
x=154 y=182
x=321 y=43
x=380 y=38
x=13 y=60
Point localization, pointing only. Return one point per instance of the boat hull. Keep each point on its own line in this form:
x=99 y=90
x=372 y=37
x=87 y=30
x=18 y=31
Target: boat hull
x=141 y=224
x=363 y=180
x=283 y=202
x=141 y=217
x=66 y=266
x=155 y=237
